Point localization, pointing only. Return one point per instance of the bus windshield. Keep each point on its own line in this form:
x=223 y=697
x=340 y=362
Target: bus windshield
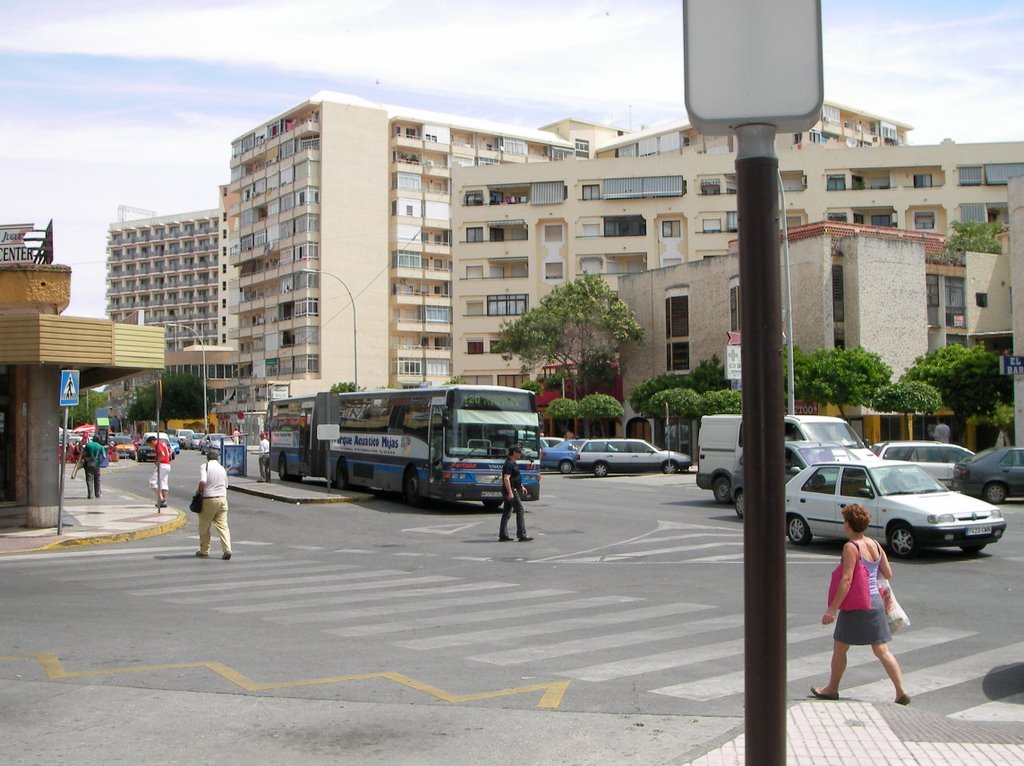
x=489 y=433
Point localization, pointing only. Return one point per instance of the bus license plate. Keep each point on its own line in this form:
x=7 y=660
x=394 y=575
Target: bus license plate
x=979 y=531
x=498 y=494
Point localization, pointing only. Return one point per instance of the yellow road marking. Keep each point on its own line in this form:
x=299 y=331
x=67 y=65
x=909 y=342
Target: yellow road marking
x=54 y=669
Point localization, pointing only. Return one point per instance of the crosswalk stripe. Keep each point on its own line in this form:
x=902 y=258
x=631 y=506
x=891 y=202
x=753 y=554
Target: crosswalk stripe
x=807 y=666
x=535 y=653
x=334 y=588
x=936 y=677
x=508 y=633
x=421 y=605
x=248 y=583
x=196 y=573
x=69 y=558
x=677 y=549
x=500 y=613
x=636 y=666
x=1006 y=710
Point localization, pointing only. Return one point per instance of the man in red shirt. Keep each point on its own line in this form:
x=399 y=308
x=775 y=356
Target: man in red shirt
x=159 y=482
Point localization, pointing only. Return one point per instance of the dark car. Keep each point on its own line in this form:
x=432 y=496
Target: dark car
x=993 y=474
x=145 y=451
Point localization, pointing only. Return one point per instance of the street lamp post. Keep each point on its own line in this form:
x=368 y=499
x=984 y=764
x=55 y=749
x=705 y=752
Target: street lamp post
x=202 y=344
x=355 y=335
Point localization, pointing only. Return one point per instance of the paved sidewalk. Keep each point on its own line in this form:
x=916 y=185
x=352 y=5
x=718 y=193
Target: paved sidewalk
x=820 y=733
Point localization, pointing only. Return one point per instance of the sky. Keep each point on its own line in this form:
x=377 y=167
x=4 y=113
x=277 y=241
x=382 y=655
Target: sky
x=136 y=103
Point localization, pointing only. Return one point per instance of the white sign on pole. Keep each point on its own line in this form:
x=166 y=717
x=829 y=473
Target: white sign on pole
x=733 y=363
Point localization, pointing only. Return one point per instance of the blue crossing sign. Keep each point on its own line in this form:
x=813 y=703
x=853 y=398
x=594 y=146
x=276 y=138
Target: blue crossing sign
x=1011 y=365
x=69 y=388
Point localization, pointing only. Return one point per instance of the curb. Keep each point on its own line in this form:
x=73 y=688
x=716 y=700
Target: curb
x=118 y=537
x=305 y=500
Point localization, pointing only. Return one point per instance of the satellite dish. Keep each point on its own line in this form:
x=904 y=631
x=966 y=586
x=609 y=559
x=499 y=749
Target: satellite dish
x=852 y=143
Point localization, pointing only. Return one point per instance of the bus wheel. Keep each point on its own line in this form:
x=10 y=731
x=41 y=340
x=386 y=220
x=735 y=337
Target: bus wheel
x=411 y=487
x=341 y=475
x=492 y=503
x=282 y=469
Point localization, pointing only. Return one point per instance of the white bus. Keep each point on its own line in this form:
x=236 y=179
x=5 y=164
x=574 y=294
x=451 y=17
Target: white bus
x=445 y=443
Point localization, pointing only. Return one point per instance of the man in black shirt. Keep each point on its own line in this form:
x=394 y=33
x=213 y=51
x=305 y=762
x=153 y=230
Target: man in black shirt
x=513 y=486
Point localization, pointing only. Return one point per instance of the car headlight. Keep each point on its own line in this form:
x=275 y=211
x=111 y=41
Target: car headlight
x=945 y=518
x=996 y=513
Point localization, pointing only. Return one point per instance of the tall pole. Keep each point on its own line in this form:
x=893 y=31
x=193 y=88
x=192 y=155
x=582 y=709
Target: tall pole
x=788 y=298
x=202 y=346
x=355 y=334
x=764 y=551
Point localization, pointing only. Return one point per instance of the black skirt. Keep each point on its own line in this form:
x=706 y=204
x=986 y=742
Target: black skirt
x=861 y=627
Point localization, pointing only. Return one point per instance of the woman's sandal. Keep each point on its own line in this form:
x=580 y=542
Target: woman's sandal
x=903 y=699
x=829 y=695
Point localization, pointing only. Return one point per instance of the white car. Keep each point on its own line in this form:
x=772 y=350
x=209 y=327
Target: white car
x=910 y=510
x=936 y=458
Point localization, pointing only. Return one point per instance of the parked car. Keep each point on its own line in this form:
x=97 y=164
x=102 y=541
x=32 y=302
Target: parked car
x=604 y=456
x=936 y=458
x=561 y=457
x=185 y=437
x=550 y=441
x=215 y=440
x=175 y=443
x=798 y=455
x=197 y=440
x=910 y=510
x=993 y=474
x=124 y=446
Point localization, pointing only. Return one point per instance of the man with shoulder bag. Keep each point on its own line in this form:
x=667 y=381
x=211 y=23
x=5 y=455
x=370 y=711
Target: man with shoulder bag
x=213 y=487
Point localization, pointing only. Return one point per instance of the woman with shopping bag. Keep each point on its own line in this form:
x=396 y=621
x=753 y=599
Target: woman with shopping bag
x=855 y=624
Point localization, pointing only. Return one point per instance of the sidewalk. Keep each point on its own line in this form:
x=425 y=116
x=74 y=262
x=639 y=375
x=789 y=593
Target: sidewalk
x=820 y=733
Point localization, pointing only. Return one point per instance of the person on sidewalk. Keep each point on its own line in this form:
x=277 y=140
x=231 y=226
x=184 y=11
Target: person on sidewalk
x=159 y=482
x=264 y=457
x=213 y=486
x=92 y=454
x=860 y=627
x=511 y=478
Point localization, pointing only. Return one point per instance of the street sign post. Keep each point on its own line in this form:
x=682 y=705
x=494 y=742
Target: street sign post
x=1011 y=365
x=67 y=397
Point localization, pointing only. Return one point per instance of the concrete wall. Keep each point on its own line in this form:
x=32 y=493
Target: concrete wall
x=1016 y=205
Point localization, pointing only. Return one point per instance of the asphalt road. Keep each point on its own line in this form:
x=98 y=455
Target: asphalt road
x=618 y=630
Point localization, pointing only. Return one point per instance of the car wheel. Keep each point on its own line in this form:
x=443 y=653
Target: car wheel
x=737 y=502
x=600 y=470
x=902 y=542
x=722 y=487
x=971 y=550
x=566 y=466
x=670 y=466
x=797 y=530
x=994 y=493
x=411 y=487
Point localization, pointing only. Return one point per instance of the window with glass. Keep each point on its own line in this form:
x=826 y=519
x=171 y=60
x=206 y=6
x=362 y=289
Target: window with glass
x=711 y=225
x=475 y=346
x=625 y=226
x=553 y=270
x=924 y=220
x=956 y=307
x=670 y=229
x=474 y=198
x=582 y=148
x=678 y=356
x=474 y=233
x=437 y=314
x=591 y=191
x=922 y=180
x=734 y=308
x=677 y=316
x=552 y=233
x=835 y=183
x=506 y=305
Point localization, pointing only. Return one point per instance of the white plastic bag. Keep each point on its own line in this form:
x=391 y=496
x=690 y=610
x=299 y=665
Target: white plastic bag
x=893 y=611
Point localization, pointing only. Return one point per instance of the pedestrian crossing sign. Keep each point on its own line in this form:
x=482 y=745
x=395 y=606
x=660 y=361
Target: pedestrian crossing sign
x=69 y=388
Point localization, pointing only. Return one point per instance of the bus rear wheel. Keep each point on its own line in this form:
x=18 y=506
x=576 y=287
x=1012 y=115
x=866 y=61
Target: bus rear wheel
x=341 y=475
x=282 y=469
x=411 y=487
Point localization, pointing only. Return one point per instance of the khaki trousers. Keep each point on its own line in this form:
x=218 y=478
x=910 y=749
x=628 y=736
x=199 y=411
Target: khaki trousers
x=215 y=512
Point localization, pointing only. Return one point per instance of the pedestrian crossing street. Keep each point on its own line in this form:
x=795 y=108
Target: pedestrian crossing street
x=687 y=650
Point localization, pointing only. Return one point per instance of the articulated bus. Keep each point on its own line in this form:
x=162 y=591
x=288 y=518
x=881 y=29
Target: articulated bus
x=445 y=443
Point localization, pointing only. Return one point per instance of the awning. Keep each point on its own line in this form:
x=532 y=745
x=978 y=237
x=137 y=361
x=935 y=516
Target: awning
x=520 y=185
x=507 y=222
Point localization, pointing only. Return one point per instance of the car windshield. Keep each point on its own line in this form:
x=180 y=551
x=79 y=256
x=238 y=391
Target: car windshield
x=905 y=480
x=826 y=454
x=831 y=431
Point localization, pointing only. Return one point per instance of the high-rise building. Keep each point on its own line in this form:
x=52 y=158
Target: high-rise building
x=340 y=229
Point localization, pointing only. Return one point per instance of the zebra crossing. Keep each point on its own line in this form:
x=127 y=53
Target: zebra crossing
x=686 y=650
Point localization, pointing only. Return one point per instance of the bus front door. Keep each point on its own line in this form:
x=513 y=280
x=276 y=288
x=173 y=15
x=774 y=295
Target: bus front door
x=436 y=439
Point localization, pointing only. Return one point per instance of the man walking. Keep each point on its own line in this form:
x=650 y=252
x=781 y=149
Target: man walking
x=213 y=486
x=91 y=457
x=264 y=456
x=159 y=482
x=511 y=478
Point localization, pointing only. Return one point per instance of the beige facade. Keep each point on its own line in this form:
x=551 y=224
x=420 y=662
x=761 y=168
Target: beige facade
x=1016 y=250
x=336 y=196
x=666 y=196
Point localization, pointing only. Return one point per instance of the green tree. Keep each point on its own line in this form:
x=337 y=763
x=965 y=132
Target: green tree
x=640 y=398
x=722 y=402
x=709 y=375
x=907 y=397
x=182 y=399
x=843 y=376
x=972 y=238
x=577 y=326
x=531 y=385
x=967 y=378
x=682 y=402
x=598 y=408
x=1002 y=418
x=85 y=411
x=564 y=412
x=346 y=387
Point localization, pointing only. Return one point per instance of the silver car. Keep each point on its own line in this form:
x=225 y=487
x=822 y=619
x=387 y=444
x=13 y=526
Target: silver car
x=937 y=458
x=604 y=456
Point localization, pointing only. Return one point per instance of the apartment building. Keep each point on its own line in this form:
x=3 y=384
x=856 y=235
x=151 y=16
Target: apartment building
x=667 y=196
x=339 y=220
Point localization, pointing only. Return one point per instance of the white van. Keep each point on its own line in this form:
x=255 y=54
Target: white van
x=721 y=436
